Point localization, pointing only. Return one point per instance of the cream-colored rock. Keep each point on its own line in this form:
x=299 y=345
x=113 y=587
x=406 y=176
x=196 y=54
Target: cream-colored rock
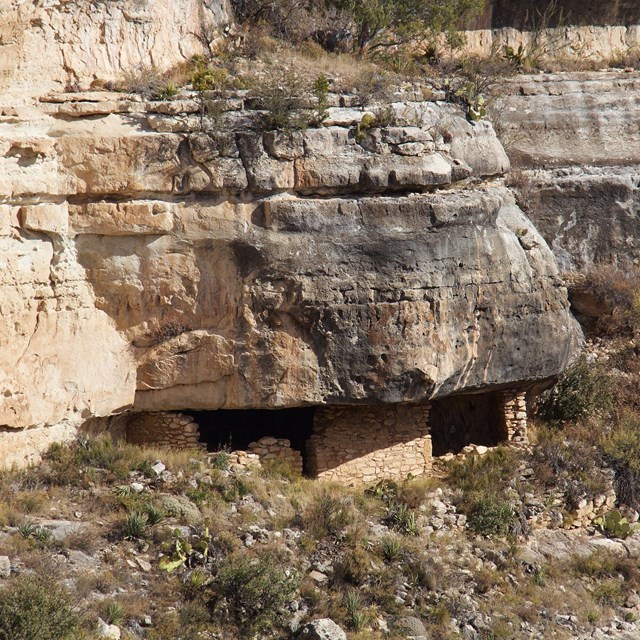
x=49 y=218
x=46 y=46
x=593 y=43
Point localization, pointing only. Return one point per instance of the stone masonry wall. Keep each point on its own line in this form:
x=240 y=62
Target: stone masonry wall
x=270 y=448
x=514 y=405
x=163 y=429
x=363 y=444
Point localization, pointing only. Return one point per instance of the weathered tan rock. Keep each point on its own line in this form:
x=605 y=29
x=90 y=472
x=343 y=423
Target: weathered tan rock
x=576 y=145
x=50 y=45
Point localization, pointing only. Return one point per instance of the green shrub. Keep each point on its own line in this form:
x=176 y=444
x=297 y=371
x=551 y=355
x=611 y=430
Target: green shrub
x=257 y=589
x=491 y=516
x=154 y=515
x=614 y=525
x=617 y=294
x=135 y=525
x=482 y=475
x=357 y=617
x=621 y=448
x=321 y=91
x=220 y=460
x=283 y=98
x=391 y=548
x=328 y=515
x=596 y=565
x=33 y=608
x=378 y=23
x=402 y=519
x=582 y=391
x=353 y=567
x=112 y=612
x=564 y=460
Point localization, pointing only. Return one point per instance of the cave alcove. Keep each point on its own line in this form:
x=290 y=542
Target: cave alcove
x=457 y=421
x=235 y=429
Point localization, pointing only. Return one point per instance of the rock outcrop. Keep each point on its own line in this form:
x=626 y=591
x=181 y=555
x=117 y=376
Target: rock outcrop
x=46 y=45
x=156 y=265
x=575 y=145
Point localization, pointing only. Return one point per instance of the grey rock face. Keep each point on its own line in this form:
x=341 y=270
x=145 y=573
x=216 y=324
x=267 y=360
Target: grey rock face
x=239 y=268
x=574 y=138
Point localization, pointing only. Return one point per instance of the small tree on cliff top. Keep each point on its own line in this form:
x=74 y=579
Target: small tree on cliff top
x=371 y=23
x=378 y=23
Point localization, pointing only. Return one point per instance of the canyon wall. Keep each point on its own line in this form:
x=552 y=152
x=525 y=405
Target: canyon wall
x=575 y=146
x=157 y=260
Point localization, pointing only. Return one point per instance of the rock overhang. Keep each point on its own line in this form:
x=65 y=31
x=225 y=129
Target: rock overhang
x=246 y=269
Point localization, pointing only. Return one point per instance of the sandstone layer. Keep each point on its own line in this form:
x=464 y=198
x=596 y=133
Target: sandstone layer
x=575 y=146
x=157 y=262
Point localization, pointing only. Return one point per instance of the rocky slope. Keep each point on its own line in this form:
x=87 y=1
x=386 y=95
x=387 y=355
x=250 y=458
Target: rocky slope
x=116 y=543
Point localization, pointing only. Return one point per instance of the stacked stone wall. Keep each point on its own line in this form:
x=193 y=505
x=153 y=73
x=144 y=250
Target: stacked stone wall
x=357 y=445
x=163 y=429
x=514 y=404
x=269 y=448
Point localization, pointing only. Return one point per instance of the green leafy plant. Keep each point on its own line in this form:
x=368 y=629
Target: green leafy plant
x=356 y=615
x=367 y=122
x=182 y=552
x=257 y=589
x=154 y=515
x=328 y=515
x=391 y=548
x=321 y=91
x=621 y=447
x=402 y=518
x=519 y=57
x=35 y=608
x=113 y=612
x=614 y=525
x=384 y=23
x=205 y=79
x=27 y=529
x=491 y=516
x=135 y=525
x=468 y=97
x=583 y=390
x=220 y=460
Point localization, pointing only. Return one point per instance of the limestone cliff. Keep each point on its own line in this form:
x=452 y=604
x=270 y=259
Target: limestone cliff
x=152 y=265
x=575 y=142
x=44 y=45
x=156 y=260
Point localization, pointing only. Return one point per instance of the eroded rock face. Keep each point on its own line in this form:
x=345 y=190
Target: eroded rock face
x=156 y=266
x=44 y=45
x=575 y=145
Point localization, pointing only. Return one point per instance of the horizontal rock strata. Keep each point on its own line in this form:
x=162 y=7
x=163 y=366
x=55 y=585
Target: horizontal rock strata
x=575 y=145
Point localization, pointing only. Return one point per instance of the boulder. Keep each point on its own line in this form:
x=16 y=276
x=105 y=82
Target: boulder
x=322 y=629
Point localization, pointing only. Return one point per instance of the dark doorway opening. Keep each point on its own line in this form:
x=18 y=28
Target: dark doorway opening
x=235 y=428
x=457 y=421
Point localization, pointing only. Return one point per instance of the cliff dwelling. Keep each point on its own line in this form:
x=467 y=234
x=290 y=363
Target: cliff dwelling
x=350 y=444
x=220 y=275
